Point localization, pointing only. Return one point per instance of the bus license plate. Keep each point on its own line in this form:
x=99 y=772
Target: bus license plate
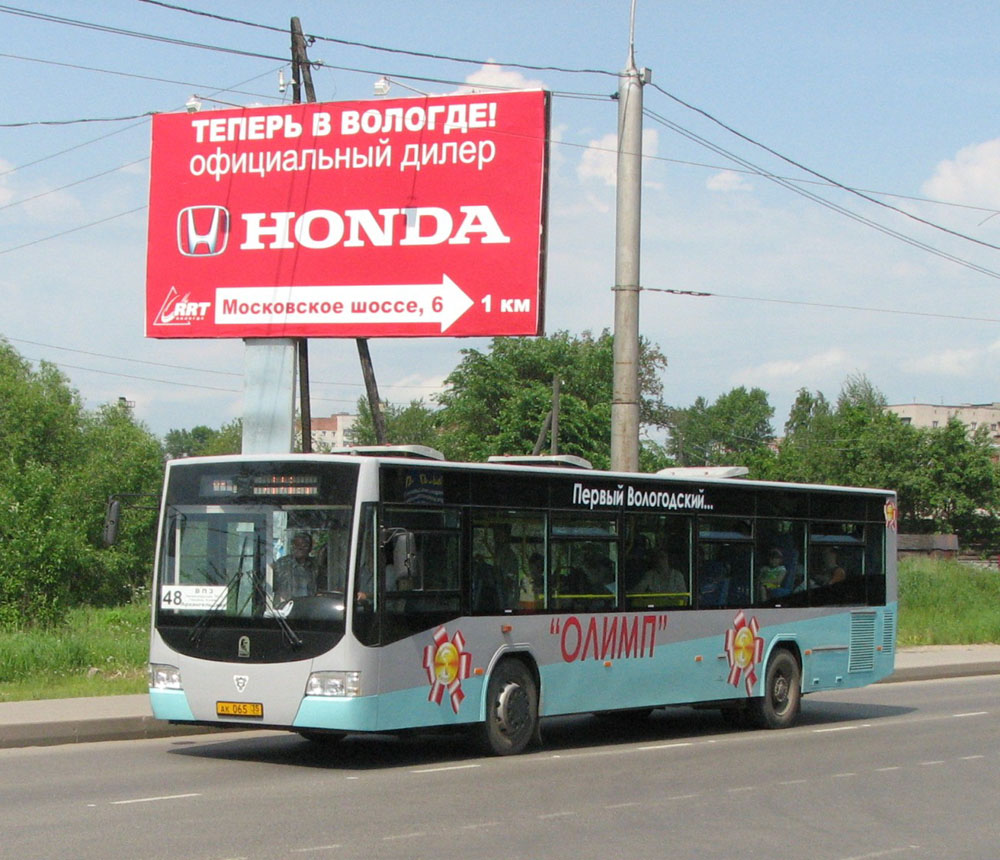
x=239 y=709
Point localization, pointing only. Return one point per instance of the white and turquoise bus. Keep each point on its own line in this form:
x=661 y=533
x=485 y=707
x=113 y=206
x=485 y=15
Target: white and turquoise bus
x=380 y=591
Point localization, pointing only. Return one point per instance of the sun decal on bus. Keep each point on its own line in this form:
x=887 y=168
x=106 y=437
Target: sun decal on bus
x=744 y=648
x=447 y=664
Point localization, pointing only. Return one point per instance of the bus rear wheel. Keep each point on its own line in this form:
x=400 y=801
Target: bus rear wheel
x=779 y=707
x=511 y=709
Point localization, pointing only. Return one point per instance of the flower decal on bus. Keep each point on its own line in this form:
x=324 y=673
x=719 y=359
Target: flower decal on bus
x=744 y=648
x=447 y=664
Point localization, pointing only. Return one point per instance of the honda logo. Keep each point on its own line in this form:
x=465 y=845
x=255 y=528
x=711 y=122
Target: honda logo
x=202 y=231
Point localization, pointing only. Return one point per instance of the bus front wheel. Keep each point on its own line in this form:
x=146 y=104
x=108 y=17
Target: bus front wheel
x=511 y=709
x=778 y=708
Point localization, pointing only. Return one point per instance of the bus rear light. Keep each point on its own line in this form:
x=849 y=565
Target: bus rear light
x=162 y=676
x=340 y=684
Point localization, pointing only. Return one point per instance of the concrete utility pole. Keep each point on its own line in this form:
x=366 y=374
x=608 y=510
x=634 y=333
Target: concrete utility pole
x=625 y=400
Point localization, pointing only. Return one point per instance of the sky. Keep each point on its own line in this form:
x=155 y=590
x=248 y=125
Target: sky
x=828 y=174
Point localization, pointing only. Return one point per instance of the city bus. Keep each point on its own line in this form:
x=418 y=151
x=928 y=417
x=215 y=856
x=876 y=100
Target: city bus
x=385 y=590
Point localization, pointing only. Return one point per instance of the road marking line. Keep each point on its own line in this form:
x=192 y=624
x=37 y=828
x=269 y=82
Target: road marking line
x=666 y=746
x=317 y=848
x=449 y=767
x=885 y=853
x=413 y=835
x=479 y=824
x=622 y=805
x=972 y=757
x=835 y=729
x=556 y=815
x=793 y=782
x=972 y=714
x=153 y=799
x=844 y=775
x=928 y=763
x=887 y=769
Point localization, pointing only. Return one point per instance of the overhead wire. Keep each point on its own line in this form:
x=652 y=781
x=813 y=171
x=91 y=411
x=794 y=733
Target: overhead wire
x=825 y=305
x=383 y=48
x=194 y=369
x=836 y=207
x=122 y=74
x=818 y=175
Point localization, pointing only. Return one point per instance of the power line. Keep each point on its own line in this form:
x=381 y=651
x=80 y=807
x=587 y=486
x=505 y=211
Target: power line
x=172 y=381
x=27 y=123
x=823 y=177
x=135 y=34
x=72 y=184
x=71 y=148
x=372 y=47
x=71 y=230
x=127 y=74
x=188 y=367
x=836 y=207
x=827 y=305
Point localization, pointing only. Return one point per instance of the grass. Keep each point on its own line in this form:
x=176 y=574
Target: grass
x=102 y=652
x=97 y=652
x=947 y=603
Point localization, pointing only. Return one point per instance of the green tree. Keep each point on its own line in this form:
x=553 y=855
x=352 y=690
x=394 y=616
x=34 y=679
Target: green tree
x=944 y=477
x=122 y=458
x=497 y=400
x=228 y=439
x=735 y=430
x=188 y=443
x=57 y=468
x=415 y=424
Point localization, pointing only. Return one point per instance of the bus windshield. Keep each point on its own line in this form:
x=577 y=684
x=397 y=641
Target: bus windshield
x=243 y=552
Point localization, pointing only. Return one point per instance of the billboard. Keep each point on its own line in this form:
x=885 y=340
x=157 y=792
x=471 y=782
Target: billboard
x=415 y=217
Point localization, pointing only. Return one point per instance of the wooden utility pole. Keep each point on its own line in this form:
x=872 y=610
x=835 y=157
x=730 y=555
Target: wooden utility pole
x=302 y=74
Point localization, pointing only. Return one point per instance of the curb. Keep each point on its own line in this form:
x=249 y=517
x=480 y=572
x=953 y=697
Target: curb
x=134 y=726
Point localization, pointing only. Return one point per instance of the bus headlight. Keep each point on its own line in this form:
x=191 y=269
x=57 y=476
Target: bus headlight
x=334 y=684
x=164 y=677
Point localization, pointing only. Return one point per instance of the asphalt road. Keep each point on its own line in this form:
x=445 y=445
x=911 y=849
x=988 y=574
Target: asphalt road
x=901 y=770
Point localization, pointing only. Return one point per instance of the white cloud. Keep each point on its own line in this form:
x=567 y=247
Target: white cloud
x=727 y=180
x=491 y=75
x=967 y=362
x=797 y=369
x=972 y=176
x=600 y=158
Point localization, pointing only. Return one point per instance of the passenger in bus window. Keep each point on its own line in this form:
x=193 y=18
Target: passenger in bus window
x=772 y=575
x=662 y=577
x=531 y=581
x=830 y=572
x=295 y=573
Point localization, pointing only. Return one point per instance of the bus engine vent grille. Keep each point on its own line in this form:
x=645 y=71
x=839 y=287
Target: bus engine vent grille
x=889 y=632
x=862 y=655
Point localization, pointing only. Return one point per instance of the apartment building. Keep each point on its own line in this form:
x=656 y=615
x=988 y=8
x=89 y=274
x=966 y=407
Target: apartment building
x=972 y=415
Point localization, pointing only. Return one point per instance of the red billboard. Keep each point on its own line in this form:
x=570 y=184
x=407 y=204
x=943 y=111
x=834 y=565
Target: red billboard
x=414 y=217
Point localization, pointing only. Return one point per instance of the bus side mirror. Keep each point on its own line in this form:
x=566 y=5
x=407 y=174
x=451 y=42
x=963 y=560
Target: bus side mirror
x=111 y=516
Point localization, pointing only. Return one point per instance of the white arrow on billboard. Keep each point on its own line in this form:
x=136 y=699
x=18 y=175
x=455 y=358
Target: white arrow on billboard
x=441 y=304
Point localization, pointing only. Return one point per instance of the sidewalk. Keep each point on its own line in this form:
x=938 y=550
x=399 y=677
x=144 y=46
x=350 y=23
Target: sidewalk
x=65 y=721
